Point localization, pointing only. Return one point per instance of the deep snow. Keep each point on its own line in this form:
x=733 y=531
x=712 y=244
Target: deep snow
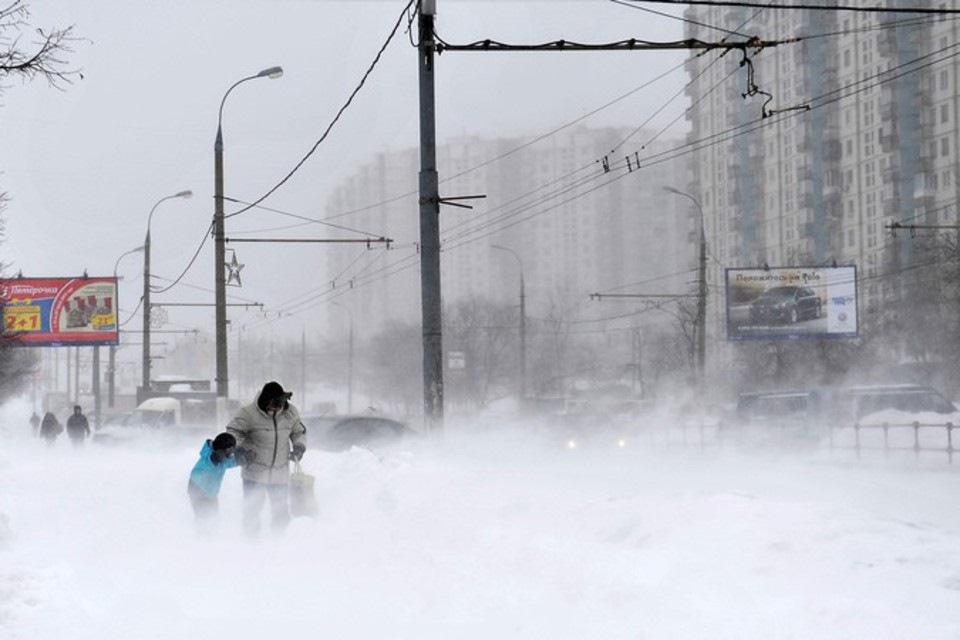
x=486 y=534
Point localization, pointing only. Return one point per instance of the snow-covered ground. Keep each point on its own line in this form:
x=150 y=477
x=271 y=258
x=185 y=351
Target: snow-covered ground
x=484 y=534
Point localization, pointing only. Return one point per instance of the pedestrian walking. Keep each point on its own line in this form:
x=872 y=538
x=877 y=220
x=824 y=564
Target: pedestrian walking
x=269 y=434
x=35 y=424
x=50 y=428
x=78 y=427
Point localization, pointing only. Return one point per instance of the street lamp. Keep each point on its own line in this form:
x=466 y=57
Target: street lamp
x=219 y=254
x=112 y=367
x=523 y=325
x=349 y=357
x=145 y=370
x=702 y=290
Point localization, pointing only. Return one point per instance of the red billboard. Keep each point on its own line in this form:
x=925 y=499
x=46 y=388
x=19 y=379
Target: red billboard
x=41 y=312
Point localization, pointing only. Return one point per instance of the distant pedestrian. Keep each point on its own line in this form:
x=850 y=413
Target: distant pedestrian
x=269 y=434
x=78 y=427
x=35 y=424
x=216 y=456
x=50 y=428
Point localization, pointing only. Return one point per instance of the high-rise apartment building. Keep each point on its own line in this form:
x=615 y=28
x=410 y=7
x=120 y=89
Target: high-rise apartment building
x=550 y=209
x=808 y=151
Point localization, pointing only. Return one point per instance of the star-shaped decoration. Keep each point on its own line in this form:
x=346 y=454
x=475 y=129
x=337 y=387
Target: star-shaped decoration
x=233 y=271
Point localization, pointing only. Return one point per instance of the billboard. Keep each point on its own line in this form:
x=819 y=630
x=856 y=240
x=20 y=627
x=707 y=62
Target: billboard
x=791 y=302
x=41 y=312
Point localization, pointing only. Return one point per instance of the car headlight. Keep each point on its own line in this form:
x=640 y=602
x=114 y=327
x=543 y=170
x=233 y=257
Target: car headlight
x=571 y=444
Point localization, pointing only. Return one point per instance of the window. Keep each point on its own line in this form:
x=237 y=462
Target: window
x=944 y=113
x=944 y=146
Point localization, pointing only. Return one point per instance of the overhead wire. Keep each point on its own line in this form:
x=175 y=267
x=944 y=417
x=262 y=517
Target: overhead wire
x=719 y=141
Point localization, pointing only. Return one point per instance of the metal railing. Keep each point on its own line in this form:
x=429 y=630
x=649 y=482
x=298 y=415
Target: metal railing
x=920 y=437
x=888 y=437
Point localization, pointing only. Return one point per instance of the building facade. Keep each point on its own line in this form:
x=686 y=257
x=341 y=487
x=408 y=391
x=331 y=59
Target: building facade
x=808 y=152
x=550 y=212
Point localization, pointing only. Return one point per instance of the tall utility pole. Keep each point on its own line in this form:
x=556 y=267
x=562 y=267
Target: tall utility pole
x=430 y=227
x=219 y=248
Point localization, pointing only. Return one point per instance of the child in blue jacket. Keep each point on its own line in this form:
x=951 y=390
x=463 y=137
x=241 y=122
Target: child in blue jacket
x=216 y=457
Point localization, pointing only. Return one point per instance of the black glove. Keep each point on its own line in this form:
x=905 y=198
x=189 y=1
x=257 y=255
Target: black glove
x=297 y=453
x=244 y=456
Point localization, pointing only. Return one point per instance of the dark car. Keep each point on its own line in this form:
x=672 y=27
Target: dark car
x=853 y=403
x=787 y=304
x=339 y=433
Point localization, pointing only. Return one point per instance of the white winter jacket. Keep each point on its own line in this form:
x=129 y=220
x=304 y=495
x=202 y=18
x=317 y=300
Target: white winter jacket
x=269 y=437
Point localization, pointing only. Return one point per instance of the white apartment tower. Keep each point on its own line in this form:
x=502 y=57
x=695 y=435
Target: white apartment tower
x=550 y=210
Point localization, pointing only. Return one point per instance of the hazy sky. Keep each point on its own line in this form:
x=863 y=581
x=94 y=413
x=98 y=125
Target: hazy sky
x=84 y=166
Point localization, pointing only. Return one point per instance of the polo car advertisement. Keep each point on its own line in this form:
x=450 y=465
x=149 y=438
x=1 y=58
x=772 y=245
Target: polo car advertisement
x=60 y=311
x=791 y=302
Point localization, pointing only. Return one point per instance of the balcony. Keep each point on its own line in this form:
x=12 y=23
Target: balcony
x=889 y=141
x=832 y=150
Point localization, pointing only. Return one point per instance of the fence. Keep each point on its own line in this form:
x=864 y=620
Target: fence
x=888 y=437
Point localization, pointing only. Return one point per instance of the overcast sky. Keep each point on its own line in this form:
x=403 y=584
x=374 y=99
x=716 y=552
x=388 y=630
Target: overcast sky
x=84 y=166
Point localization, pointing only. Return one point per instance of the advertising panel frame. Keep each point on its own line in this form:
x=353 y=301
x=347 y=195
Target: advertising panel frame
x=55 y=312
x=791 y=303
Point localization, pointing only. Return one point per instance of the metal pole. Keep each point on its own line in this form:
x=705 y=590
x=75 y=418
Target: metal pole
x=702 y=305
x=430 y=228
x=112 y=366
x=96 y=387
x=145 y=364
x=145 y=371
x=219 y=253
x=350 y=370
x=111 y=376
x=219 y=269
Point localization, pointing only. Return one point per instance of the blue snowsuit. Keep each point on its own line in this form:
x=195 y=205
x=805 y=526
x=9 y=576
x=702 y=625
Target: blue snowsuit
x=205 y=480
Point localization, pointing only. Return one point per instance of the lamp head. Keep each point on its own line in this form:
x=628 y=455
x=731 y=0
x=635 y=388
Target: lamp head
x=273 y=73
x=184 y=194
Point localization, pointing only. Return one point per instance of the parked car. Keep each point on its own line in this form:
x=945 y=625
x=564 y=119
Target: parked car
x=787 y=304
x=339 y=433
x=853 y=403
x=779 y=406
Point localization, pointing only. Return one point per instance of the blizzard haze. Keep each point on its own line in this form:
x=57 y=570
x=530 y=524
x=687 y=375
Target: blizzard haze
x=486 y=532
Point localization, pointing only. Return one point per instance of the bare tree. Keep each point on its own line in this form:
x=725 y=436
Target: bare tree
x=27 y=53
x=484 y=332
x=42 y=55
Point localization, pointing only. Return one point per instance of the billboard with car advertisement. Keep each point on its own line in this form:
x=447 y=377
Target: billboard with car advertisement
x=42 y=312
x=791 y=302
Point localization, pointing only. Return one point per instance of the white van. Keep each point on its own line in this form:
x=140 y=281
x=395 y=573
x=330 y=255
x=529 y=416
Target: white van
x=156 y=413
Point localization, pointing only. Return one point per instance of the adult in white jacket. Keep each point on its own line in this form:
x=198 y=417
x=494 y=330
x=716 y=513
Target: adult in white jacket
x=269 y=434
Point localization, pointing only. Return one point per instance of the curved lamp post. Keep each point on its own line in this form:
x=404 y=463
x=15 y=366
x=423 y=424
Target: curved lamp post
x=112 y=365
x=701 y=291
x=523 y=324
x=219 y=254
x=145 y=370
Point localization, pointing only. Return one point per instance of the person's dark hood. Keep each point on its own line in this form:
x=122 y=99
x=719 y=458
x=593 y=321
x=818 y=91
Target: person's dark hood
x=270 y=391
